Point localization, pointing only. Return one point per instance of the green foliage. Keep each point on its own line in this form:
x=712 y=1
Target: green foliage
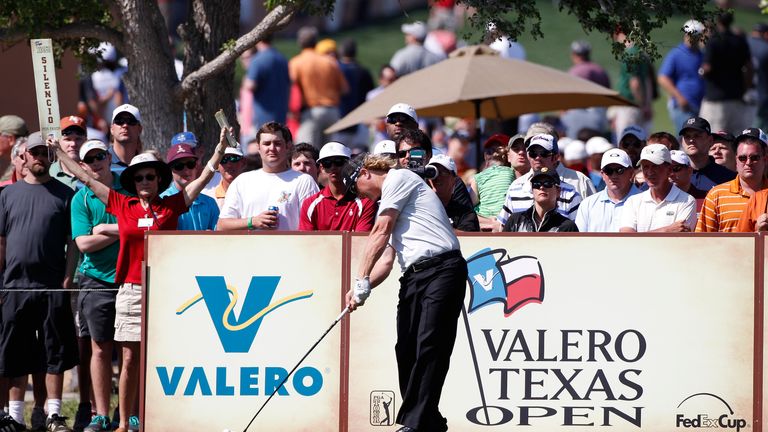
x=228 y=45
x=636 y=18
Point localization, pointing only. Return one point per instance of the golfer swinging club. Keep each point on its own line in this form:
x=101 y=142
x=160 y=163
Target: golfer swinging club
x=431 y=289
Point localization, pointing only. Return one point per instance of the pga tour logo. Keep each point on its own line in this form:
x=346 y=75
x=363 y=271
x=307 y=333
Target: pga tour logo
x=705 y=411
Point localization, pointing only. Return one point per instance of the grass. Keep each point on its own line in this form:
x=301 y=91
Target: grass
x=378 y=41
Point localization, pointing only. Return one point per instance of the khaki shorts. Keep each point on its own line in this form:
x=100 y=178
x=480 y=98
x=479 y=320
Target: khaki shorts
x=128 y=313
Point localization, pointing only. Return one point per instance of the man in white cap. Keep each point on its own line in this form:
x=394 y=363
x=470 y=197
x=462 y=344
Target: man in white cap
x=231 y=166
x=332 y=209
x=400 y=117
x=386 y=148
x=679 y=75
x=413 y=56
x=680 y=174
x=96 y=234
x=663 y=207
x=601 y=212
x=126 y=136
x=596 y=147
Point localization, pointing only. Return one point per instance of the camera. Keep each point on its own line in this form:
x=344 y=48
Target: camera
x=417 y=163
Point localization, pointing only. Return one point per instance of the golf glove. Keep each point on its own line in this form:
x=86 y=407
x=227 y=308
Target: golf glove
x=362 y=290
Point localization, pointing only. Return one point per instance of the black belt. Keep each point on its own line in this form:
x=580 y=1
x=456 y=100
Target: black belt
x=430 y=262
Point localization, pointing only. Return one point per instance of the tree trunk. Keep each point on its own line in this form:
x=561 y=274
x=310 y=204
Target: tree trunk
x=151 y=77
x=210 y=26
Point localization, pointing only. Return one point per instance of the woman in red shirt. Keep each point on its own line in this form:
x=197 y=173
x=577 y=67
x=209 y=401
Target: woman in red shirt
x=145 y=178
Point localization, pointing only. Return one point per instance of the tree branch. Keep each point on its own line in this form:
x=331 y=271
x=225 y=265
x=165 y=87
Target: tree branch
x=71 y=31
x=275 y=20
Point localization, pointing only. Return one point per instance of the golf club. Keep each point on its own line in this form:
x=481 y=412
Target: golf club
x=336 y=321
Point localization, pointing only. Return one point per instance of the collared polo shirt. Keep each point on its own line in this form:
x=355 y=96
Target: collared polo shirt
x=322 y=211
x=598 y=213
x=643 y=214
x=87 y=212
x=203 y=214
x=723 y=207
x=56 y=172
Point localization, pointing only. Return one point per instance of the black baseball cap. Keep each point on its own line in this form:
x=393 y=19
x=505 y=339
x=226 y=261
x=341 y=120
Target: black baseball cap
x=723 y=136
x=696 y=123
x=755 y=133
x=546 y=174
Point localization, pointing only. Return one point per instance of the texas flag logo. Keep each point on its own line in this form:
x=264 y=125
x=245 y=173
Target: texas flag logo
x=496 y=277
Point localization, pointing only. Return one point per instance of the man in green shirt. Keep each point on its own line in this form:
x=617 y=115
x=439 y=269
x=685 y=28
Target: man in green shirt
x=96 y=235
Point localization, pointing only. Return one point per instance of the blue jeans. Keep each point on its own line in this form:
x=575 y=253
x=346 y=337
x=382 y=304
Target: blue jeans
x=679 y=116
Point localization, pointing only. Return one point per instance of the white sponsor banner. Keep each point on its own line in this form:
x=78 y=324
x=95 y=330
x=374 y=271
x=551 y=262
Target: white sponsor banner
x=228 y=316
x=45 y=87
x=620 y=333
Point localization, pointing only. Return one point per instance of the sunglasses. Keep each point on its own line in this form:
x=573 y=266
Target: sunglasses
x=404 y=153
x=328 y=163
x=546 y=184
x=751 y=158
x=231 y=159
x=140 y=178
x=130 y=121
x=678 y=168
x=533 y=154
x=610 y=171
x=38 y=152
x=398 y=119
x=179 y=166
x=97 y=157
x=73 y=131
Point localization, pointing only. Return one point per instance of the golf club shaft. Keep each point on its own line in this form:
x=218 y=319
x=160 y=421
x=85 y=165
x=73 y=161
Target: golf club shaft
x=336 y=321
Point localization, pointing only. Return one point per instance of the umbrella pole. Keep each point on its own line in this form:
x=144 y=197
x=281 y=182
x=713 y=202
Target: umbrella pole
x=478 y=137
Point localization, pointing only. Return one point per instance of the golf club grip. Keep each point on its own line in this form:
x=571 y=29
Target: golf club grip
x=317 y=342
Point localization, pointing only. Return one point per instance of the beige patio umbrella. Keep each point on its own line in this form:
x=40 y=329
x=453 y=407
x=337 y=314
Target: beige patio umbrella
x=475 y=82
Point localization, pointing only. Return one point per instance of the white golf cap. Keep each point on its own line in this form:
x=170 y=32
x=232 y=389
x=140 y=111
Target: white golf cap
x=385 y=147
x=416 y=29
x=233 y=151
x=91 y=145
x=693 y=27
x=334 y=149
x=615 y=156
x=598 y=145
x=548 y=142
x=445 y=161
x=656 y=154
x=575 y=150
x=130 y=109
x=403 y=108
x=680 y=157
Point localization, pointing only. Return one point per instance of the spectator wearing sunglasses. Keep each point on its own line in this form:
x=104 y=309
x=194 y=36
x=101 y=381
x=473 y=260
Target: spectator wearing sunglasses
x=203 y=214
x=730 y=203
x=542 y=216
x=145 y=178
x=601 y=212
x=73 y=135
x=542 y=153
x=125 y=133
x=401 y=117
x=696 y=140
x=332 y=209
x=96 y=234
x=663 y=207
x=680 y=174
x=232 y=165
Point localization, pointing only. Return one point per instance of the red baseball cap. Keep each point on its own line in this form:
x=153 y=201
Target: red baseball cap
x=180 y=151
x=498 y=139
x=69 y=121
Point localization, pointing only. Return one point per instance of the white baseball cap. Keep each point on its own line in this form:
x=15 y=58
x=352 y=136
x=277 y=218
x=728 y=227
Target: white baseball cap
x=680 y=157
x=544 y=140
x=416 y=29
x=130 y=109
x=656 y=154
x=445 y=161
x=693 y=27
x=334 y=149
x=233 y=151
x=615 y=156
x=385 y=147
x=597 y=145
x=575 y=150
x=91 y=145
x=403 y=108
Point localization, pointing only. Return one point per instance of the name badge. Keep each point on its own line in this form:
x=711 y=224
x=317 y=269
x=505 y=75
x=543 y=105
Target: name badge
x=146 y=222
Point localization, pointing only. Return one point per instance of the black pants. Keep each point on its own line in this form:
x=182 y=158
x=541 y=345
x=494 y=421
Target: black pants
x=427 y=313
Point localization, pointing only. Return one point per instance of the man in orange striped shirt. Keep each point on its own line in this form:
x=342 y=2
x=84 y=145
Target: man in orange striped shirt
x=726 y=202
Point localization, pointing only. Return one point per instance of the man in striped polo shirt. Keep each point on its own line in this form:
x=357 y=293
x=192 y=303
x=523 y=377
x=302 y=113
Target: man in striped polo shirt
x=542 y=153
x=726 y=202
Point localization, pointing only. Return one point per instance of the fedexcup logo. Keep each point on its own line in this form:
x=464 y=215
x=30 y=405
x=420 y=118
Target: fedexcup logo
x=238 y=333
x=707 y=411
